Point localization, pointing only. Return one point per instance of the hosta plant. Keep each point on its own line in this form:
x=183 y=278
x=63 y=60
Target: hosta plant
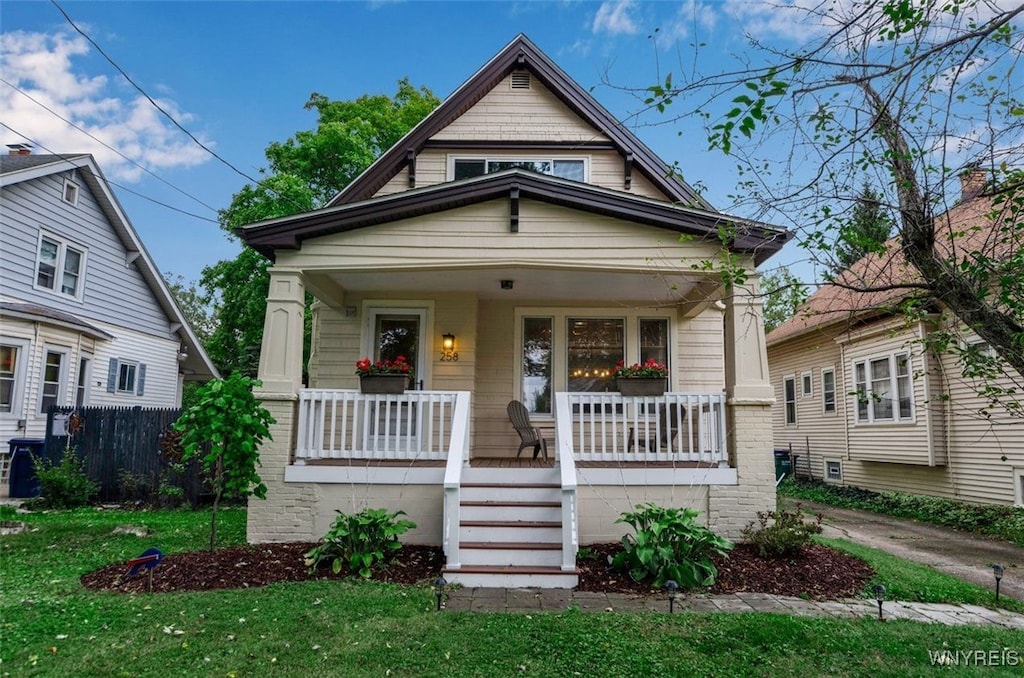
x=360 y=542
x=669 y=544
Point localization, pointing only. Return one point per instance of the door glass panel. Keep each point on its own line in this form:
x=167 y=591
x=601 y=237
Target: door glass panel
x=654 y=340
x=595 y=346
x=537 y=364
x=398 y=335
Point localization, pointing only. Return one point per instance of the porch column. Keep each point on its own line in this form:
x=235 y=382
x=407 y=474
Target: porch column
x=749 y=400
x=287 y=512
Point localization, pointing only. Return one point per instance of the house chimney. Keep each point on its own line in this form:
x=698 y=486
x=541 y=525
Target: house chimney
x=19 y=149
x=972 y=183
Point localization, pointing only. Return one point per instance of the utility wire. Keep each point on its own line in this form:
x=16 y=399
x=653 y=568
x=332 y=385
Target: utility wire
x=104 y=144
x=65 y=156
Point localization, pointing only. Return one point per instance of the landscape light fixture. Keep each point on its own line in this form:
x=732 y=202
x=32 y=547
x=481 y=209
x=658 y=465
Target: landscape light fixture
x=997 y=570
x=439 y=585
x=448 y=341
x=879 y=596
x=673 y=589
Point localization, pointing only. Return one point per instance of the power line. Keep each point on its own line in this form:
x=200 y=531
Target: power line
x=104 y=144
x=65 y=156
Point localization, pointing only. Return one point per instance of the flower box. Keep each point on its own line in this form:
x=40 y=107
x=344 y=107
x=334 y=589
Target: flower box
x=641 y=386
x=383 y=383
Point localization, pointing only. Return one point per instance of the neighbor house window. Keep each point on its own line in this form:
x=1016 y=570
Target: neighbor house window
x=833 y=471
x=70 y=192
x=82 y=388
x=828 y=390
x=13 y=358
x=789 y=396
x=570 y=168
x=806 y=386
x=1018 y=486
x=60 y=266
x=883 y=388
x=126 y=377
x=55 y=373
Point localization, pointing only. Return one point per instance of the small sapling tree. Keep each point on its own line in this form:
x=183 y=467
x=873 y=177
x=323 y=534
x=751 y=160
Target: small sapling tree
x=224 y=430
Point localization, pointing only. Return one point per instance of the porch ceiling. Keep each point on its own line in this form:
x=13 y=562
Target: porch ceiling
x=646 y=288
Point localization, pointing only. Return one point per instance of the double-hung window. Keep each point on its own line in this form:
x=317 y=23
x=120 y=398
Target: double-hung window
x=566 y=168
x=828 y=390
x=789 y=397
x=60 y=266
x=13 y=360
x=883 y=389
x=54 y=382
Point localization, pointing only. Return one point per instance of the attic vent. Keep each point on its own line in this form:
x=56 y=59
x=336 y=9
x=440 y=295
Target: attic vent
x=520 y=80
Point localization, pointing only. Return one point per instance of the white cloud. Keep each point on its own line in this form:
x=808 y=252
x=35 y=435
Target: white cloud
x=691 y=14
x=43 y=67
x=613 y=18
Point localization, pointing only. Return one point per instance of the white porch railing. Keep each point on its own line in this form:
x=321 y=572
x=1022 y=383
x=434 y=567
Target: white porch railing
x=671 y=427
x=347 y=424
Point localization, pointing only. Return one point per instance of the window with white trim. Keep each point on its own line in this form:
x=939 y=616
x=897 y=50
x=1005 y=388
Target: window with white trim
x=55 y=379
x=60 y=266
x=82 y=387
x=833 y=471
x=828 y=390
x=806 y=385
x=126 y=377
x=566 y=168
x=69 y=192
x=789 y=398
x=13 y=361
x=883 y=389
x=1018 y=486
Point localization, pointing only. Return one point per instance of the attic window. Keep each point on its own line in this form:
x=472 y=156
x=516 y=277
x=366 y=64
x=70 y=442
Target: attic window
x=520 y=80
x=70 y=192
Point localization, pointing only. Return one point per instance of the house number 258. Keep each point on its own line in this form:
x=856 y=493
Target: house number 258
x=449 y=356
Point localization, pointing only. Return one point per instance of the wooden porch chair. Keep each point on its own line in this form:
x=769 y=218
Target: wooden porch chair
x=668 y=429
x=529 y=435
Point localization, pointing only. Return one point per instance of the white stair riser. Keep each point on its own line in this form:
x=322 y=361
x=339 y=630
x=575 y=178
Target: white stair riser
x=521 y=557
x=498 y=533
x=513 y=580
x=510 y=494
x=505 y=476
x=504 y=513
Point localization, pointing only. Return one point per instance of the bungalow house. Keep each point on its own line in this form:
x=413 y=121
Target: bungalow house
x=860 y=399
x=515 y=245
x=86 y=317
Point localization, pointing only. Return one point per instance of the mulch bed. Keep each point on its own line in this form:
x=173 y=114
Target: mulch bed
x=818 y=573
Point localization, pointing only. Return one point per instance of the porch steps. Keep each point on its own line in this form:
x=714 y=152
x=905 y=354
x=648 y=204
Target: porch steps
x=510 y=530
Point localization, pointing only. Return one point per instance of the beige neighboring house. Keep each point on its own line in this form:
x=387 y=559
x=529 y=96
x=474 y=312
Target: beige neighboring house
x=918 y=427
x=514 y=245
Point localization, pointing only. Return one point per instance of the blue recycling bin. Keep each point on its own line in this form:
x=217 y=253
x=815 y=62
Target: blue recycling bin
x=23 y=480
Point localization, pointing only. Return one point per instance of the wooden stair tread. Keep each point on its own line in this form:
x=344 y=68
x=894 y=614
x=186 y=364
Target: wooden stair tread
x=517 y=545
x=525 y=504
x=510 y=523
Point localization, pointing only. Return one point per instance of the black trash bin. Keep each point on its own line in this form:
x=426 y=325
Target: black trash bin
x=783 y=465
x=23 y=480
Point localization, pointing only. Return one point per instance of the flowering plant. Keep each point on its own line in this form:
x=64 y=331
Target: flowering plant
x=651 y=369
x=367 y=367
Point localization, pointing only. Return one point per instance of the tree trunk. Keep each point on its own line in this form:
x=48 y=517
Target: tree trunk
x=219 y=480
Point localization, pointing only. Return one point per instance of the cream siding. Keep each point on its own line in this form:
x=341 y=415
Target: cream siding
x=537 y=113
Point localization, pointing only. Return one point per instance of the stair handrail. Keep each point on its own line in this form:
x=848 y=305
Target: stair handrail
x=458 y=457
x=567 y=476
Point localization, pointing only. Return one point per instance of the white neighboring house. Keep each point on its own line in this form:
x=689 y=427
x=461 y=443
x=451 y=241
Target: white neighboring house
x=85 y=317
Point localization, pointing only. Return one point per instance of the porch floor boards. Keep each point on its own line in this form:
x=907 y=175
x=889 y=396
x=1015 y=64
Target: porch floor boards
x=508 y=462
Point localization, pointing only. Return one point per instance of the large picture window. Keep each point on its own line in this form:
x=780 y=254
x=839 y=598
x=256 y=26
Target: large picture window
x=883 y=389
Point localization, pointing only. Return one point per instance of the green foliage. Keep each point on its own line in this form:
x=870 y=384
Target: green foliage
x=866 y=230
x=669 y=544
x=997 y=520
x=783 y=295
x=64 y=485
x=224 y=431
x=782 y=533
x=360 y=542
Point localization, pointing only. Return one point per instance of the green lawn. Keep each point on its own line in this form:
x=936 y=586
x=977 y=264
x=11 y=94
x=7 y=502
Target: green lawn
x=51 y=626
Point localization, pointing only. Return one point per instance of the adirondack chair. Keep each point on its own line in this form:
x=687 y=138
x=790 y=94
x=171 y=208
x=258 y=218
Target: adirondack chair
x=528 y=434
x=668 y=429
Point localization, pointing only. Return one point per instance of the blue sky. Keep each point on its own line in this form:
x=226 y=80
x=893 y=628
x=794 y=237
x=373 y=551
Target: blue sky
x=236 y=75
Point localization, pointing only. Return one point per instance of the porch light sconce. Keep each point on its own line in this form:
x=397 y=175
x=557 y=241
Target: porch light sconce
x=448 y=342
x=507 y=284
x=673 y=590
x=997 y=570
x=879 y=597
x=439 y=585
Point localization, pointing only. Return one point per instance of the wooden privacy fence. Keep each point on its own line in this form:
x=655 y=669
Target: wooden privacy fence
x=113 y=441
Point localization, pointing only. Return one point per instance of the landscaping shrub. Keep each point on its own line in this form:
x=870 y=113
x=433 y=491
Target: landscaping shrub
x=64 y=485
x=360 y=542
x=668 y=544
x=782 y=533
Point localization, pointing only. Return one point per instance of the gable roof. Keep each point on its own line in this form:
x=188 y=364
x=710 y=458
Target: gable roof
x=520 y=54
x=877 y=283
x=759 y=240
x=15 y=169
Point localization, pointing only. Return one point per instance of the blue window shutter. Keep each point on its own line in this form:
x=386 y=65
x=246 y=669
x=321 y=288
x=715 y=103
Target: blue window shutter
x=140 y=380
x=112 y=376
